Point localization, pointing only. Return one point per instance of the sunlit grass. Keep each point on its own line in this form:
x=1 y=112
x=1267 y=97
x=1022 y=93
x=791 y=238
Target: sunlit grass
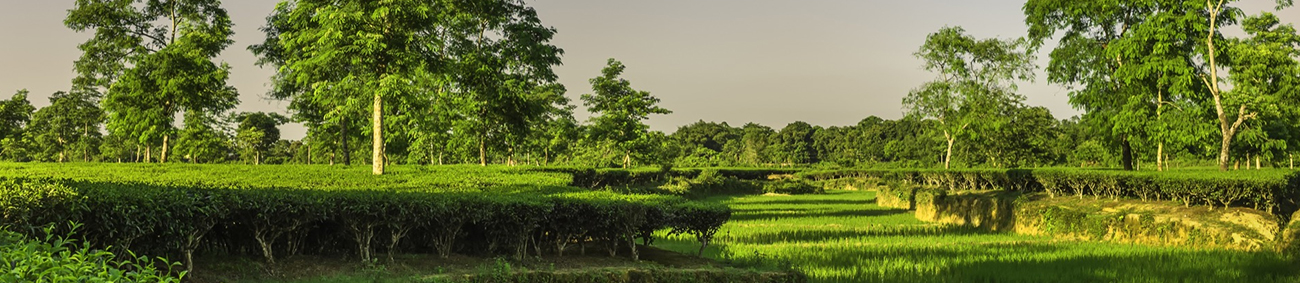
x=844 y=236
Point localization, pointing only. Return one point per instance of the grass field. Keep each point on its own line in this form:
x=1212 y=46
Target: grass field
x=844 y=237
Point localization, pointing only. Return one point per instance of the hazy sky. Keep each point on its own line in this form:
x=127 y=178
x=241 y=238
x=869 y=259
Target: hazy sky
x=825 y=62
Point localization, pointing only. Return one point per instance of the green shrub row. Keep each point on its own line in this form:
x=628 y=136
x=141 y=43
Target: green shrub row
x=1276 y=191
x=712 y=182
x=852 y=183
x=600 y=178
x=792 y=187
x=179 y=221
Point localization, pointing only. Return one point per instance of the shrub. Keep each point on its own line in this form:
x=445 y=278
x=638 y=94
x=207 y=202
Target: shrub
x=1275 y=191
x=792 y=187
x=701 y=220
x=180 y=220
x=57 y=259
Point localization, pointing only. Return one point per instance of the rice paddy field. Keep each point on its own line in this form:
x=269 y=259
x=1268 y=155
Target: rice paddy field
x=843 y=236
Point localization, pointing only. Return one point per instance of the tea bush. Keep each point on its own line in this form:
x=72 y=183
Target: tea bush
x=57 y=259
x=1276 y=191
x=204 y=216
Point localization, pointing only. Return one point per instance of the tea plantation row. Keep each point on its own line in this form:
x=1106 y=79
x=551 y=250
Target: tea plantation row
x=178 y=218
x=1275 y=191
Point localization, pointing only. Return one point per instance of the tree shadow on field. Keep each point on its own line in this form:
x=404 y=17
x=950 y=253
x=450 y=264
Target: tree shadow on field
x=768 y=210
x=835 y=234
x=1165 y=266
x=871 y=201
x=807 y=214
x=1032 y=262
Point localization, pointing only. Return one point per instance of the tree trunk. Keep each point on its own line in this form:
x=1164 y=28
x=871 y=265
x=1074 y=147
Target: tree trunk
x=148 y=153
x=1257 y=167
x=482 y=149
x=1160 y=157
x=1126 y=153
x=627 y=159
x=343 y=134
x=510 y=156
x=257 y=158
x=163 y=157
x=377 y=123
x=947 y=158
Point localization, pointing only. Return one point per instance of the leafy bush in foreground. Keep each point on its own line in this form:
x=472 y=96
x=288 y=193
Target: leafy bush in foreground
x=56 y=259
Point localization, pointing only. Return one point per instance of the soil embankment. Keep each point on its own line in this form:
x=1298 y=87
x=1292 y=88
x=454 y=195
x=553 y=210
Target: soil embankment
x=1118 y=220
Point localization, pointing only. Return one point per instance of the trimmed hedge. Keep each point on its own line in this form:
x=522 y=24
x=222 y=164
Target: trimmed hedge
x=180 y=220
x=792 y=187
x=600 y=178
x=1275 y=191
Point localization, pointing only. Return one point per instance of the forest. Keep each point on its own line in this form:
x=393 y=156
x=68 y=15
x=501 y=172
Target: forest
x=1158 y=84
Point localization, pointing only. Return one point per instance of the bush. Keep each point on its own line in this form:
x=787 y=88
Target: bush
x=58 y=260
x=710 y=182
x=701 y=220
x=180 y=220
x=1275 y=191
x=601 y=178
x=792 y=187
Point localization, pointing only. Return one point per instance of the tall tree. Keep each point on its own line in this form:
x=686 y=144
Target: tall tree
x=203 y=139
x=15 y=113
x=156 y=59
x=257 y=132
x=343 y=53
x=796 y=143
x=500 y=63
x=976 y=82
x=1264 y=76
x=70 y=123
x=1083 y=62
x=755 y=140
x=621 y=110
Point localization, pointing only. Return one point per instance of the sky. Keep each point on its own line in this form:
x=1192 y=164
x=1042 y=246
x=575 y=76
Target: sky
x=772 y=62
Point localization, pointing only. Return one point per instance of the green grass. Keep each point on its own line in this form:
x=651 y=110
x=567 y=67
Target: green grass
x=844 y=237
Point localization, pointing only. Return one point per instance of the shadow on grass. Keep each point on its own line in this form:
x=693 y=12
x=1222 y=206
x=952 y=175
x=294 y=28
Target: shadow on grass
x=1021 y=262
x=870 y=201
x=801 y=214
x=825 y=235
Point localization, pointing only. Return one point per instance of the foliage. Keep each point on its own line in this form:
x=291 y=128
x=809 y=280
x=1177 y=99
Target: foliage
x=620 y=112
x=68 y=128
x=155 y=59
x=700 y=220
x=179 y=212
x=792 y=187
x=1274 y=191
x=976 y=83
x=59 y=259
